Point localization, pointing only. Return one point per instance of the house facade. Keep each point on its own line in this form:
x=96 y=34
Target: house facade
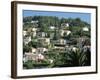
x=27 y=39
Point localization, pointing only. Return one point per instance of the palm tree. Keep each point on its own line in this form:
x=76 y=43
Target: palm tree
x=76 y=58
x=88 y=54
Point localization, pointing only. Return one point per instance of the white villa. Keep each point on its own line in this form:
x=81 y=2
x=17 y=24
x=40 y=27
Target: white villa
x=40 y=57
x=68 y=32
x=62 y=32
x=41 y=50
x=85 y=29
x=62 y=41
x=73 y=48
x=47 y=40
x=34 y=50
x=34 y=57
x=27 y=39
x=41 y=34
x=59 y=48
x=34 y=31
x=24 y=33
x=34 y=21
x=52 y=27
x=65 y=25
x=51 y=60
x=44 y=40
x=29 y=56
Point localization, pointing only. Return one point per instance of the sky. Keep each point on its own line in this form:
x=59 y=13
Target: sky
x=83 y=16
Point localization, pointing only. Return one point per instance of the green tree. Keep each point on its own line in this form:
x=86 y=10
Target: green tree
x=26 y=48
x=56 y=34
x=28 y=64
x=76 y=58
x=88 y=54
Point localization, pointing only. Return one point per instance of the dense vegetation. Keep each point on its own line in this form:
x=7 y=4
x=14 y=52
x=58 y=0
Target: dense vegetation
x=61 y=58
x=46 y=21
